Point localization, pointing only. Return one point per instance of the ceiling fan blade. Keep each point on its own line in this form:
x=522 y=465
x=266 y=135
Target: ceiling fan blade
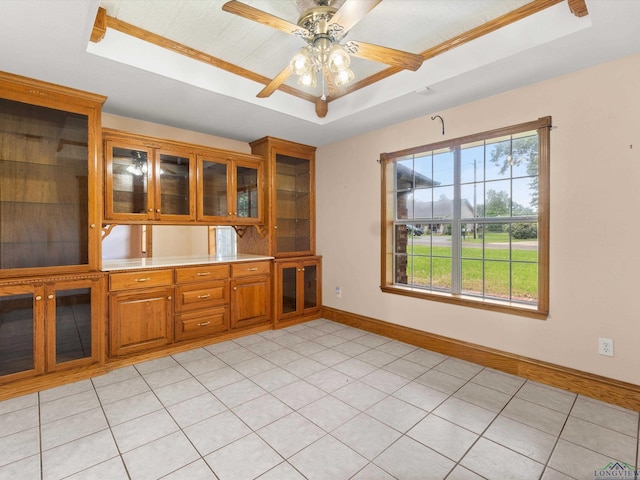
x=389 y=56
x=351 y=12
x=275 y=83
x=251 y=13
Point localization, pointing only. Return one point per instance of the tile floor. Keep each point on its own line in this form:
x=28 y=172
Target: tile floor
x=317 y=401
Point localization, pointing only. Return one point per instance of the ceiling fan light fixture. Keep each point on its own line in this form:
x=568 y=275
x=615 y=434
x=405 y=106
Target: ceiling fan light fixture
x=343 y=76
x=301 y=63
x=308 y=79
x=339 y=59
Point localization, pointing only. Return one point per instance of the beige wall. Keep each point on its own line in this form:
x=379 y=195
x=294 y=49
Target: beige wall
x=171 y=133
x=595 y=232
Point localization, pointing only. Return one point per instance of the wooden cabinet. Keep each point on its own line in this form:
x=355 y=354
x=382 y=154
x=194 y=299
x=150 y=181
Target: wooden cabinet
x=230 y=189
x=291 y=198
x=250 y=293
x=49 y=160
x=50 y=324
x=150 y=309
x=151 y=180
x=140 y=311
x=297 y=289
x=148 y=182
x=202 y=301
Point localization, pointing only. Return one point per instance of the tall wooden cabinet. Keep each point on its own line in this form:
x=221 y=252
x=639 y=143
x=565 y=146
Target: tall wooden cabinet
x=51 y=295
x=290 y=230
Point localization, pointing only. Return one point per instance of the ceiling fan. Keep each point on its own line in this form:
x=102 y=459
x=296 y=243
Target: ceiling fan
x=323 y=25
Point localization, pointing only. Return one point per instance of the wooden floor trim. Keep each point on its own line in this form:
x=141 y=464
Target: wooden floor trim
x=608 y=390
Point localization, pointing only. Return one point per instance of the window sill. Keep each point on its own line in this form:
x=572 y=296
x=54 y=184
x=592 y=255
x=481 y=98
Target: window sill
x=468 y=301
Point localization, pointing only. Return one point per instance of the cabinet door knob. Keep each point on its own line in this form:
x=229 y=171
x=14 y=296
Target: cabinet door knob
x=275 y=226
x=50 y=297
x=150 y=210
x=38 y=297
x=157 y=210
x=235 y=288
x=169 y=297
x=93 y=225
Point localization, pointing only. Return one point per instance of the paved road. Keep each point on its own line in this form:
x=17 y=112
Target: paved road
x=443 y=241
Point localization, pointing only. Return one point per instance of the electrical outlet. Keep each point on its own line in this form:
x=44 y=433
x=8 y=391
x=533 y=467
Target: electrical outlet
x=605 y=347
x=338 y=292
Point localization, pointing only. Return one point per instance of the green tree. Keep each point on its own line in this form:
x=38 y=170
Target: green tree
x=518 y=152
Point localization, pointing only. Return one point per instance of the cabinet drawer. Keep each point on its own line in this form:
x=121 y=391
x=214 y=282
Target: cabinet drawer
x=148 y=278
x=200 y=324
x=202 y=274
x=201 y=295
x=246 y=269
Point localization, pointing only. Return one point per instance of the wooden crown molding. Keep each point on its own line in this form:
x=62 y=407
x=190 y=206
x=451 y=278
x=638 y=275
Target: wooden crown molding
x=608 y=390
x=104 y=21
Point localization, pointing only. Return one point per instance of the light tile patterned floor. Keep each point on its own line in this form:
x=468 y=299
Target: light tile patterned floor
x=317 y=401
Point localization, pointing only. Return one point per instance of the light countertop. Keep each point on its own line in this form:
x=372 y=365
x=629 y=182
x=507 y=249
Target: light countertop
x=159 y=262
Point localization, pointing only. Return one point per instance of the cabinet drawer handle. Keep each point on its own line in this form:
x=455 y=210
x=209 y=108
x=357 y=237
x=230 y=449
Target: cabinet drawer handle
x=204 y=324
x=146 y=279
x=252 y=269
x=203 y=274
x=204 y=296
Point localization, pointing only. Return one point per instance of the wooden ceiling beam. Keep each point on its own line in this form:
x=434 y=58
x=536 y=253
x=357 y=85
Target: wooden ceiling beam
x=578 y=8
x=466 y=37
x=182 y=49
x=99 y=26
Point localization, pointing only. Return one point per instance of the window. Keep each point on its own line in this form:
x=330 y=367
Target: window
x=466 y=221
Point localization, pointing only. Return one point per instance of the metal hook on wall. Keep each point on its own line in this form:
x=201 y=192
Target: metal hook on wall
x=441 y=121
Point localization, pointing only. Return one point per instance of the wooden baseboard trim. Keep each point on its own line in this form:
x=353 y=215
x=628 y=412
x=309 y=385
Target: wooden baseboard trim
x=608 y=390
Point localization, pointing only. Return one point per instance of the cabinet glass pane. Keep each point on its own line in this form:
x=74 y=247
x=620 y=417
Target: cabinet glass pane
x=43 y=186
x=293 y=180
x=247 y=192
x=73 y=324
x=130 y=171
x=214 y=190
x=174 y=185
x=16 y=333
x=310 y=283
x=289 y=290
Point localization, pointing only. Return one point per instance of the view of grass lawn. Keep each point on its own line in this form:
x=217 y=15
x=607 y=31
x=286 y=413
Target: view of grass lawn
x=431 y=266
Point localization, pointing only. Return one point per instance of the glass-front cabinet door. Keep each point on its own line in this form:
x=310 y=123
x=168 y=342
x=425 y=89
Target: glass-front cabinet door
x=45 y=188
x=247 y=187
x=21 y=331
x=293 y=222
x=47 y=327
x=174 y=186
x=298 y=288
x=230 y=189
x=74 y=313
x=144 y=183
x=214 y=183
x=129 y=189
